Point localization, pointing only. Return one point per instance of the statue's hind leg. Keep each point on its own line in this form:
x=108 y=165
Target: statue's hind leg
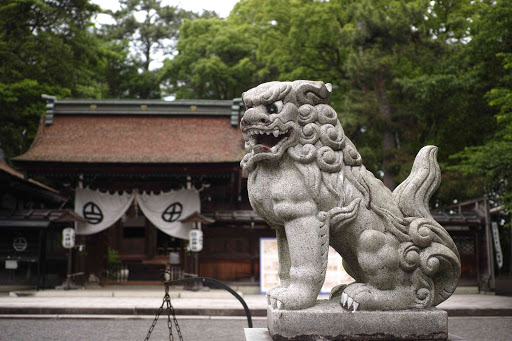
x=384 y=285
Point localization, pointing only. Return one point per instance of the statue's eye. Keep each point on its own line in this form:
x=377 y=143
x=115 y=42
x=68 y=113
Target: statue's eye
x=275 y=107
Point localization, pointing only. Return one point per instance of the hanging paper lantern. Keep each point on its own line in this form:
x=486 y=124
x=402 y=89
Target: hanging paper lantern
x=196 y=240
x=68 y=238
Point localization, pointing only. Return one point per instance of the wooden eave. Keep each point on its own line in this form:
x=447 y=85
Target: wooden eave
x=22 y=183
x=38 y=218
x=58 y=169
x=196 y=217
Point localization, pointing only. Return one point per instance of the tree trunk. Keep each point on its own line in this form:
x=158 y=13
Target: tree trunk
x=147 y=56
x=388 y=143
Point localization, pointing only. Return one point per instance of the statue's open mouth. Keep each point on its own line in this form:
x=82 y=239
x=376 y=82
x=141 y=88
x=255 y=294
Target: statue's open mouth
x=265 y=141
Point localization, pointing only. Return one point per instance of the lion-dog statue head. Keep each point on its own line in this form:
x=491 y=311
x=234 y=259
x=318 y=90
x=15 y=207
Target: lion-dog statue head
x=294 y=118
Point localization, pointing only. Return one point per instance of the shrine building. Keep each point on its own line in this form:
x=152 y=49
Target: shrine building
x=135 y=169
x=31 y=223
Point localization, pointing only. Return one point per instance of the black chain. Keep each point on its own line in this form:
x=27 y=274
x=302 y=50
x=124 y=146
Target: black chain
x=155 y=321
x=170 y=310
x=169 y=323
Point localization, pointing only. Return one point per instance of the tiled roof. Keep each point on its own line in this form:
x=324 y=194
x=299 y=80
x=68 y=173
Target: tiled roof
x=96 y=133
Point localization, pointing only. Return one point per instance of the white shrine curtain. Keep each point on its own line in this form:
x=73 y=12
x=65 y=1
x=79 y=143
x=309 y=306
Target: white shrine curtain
x=101 y=210
x=164 y=210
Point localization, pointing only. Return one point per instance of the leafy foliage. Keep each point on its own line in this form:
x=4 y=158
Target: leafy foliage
x=405 y=73
x=45 y=47
x=215 y=60
x=149 y=29
x=489 y=52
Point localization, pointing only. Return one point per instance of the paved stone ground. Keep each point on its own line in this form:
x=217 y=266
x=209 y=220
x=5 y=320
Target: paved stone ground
x=481 y=328
x=213 y=302
x=132 y=309
x=199 y=329
x=121 y=329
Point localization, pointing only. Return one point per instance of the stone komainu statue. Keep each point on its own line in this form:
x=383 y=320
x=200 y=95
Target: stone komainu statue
x=307 y=180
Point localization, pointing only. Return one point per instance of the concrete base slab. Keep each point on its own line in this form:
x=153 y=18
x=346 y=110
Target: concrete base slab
x=327 y=320
x=262 y=334
x=257 y=334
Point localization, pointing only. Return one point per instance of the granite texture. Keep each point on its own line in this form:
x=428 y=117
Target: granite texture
x=329 y=321
x=307 y=180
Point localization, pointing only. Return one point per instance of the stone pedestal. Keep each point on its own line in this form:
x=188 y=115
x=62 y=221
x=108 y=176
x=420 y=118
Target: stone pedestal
x=327 y=320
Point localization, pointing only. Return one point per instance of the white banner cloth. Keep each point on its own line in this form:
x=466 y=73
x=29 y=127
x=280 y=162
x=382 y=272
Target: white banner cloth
x=101 y=210
x=165 y=210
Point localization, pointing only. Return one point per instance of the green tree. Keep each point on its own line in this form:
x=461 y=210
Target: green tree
x=356 y=45
x=45 y=47
x=148 y=29
x=400 y=71
x=405 y=73
x=121 y=71
x=215 y=60
x=489 y=52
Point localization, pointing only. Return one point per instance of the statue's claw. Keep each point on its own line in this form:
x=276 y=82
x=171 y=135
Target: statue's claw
x=348 y=302
x=275 y=303
x=343 y=299
x=279 y=305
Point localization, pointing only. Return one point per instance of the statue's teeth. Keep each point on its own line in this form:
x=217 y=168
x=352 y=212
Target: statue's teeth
x=273 y=149
x=268 y=132
x=276 y=133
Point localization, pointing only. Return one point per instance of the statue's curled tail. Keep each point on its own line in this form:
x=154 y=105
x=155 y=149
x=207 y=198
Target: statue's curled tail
x=431 y=254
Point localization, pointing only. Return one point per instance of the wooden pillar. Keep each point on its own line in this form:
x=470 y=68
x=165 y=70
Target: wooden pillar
x=150 y=245
x=490 y=256
x=41 y=264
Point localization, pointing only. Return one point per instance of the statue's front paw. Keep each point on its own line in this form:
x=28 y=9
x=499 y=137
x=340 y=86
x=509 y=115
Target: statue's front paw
x=361 y=296
x=293 y=297
x=357 y=296
x=271 y=300
x=348 y=302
